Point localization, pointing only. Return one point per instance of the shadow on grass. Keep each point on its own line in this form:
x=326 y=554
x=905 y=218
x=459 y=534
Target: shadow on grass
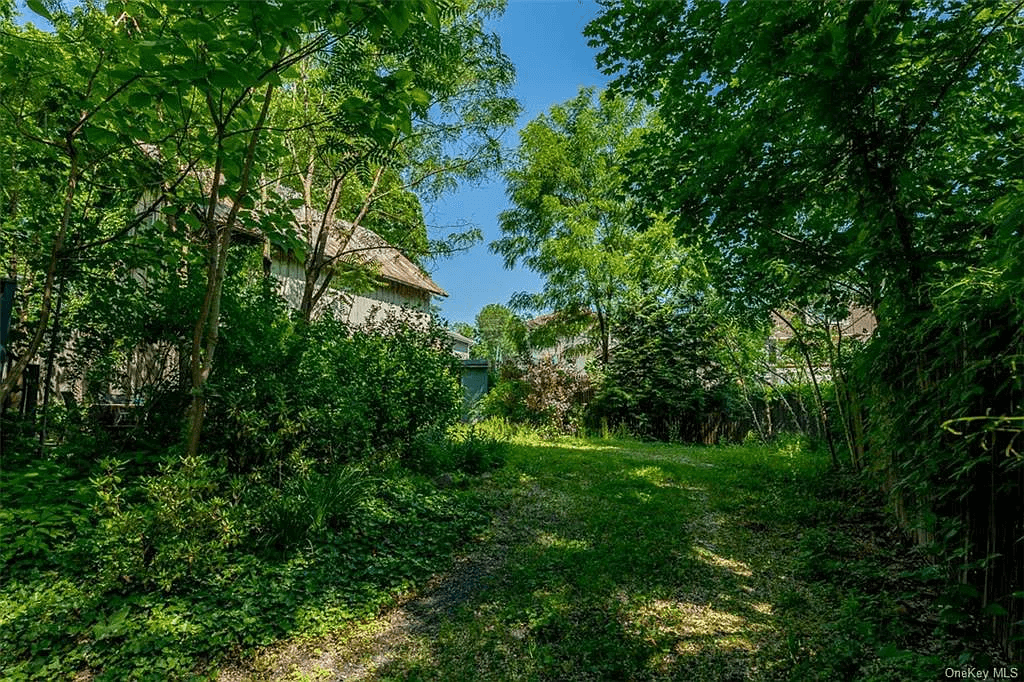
x=628 y=562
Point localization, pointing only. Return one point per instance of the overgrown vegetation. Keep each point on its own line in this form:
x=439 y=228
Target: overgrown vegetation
x=541 y=395
x=866 y=153
x=617 y=559
x=311 y=504
x=665 y=380
x=125 y=576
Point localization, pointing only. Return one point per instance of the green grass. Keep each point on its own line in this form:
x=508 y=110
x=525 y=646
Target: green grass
x=601 y=560
x=624 y=560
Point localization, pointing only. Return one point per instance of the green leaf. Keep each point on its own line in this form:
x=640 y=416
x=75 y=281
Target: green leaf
x=39 y=8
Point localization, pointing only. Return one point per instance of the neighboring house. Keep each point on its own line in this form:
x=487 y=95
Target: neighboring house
x=858 y=326
x=404 y=290
x=460 y=344
x=475 y=381
x=566 y=352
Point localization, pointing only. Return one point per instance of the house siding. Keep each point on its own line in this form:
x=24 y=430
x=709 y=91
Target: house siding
x=390 y=299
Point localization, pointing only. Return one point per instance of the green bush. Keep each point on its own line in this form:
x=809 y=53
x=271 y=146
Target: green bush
x=310 y=504
x=324 y=392
x=664 y=378
x=163 y=531
x=465 y=449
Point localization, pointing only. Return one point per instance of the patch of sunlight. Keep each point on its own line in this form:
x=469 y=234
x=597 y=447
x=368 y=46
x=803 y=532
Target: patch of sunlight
x=654 y=475
x=695 y=624
x=673 y=456
x=549 y=540
x=574 y=445
x=735 y=567
x=791 y=449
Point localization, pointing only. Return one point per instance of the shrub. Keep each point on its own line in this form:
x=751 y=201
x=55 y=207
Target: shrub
x=542 y=395
x=310 y=504
x=323 y=391
x=664 y=378
x=177 y=527
x=467 y=450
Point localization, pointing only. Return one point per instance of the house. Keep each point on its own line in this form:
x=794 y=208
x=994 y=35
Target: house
x=403 y=290
x=460 y=344
x=554 y=342
x=858 y=326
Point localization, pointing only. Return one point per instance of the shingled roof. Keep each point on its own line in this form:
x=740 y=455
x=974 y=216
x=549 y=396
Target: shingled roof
x=366 y=247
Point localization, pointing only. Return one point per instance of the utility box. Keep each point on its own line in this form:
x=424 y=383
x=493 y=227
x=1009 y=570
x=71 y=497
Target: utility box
x=474 y=381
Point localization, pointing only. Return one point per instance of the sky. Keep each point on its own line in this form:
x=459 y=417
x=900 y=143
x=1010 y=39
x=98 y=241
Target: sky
x=544 y=39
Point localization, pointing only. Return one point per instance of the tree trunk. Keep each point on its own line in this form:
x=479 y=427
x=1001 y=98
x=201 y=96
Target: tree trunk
x=48 y=286
x=819 y=403
x=207 y=329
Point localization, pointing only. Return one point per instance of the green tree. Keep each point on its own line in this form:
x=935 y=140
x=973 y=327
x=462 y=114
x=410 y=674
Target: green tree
x=188 y=87
x=867 y=151
x=359 y=162
x=852 y=149
x=500 y=334
x=667 y=372
x=73 y=168
x=571 y=221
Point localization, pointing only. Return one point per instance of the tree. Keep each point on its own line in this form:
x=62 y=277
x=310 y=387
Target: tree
x=667 y=373
x=73 y=170
x=822 y=149
x=501 y=335
x=571 y=219
x=188 y=85
x=867 y=151
x=362 y=159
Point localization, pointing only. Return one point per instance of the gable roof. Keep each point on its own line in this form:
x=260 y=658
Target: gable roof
x=366 y=247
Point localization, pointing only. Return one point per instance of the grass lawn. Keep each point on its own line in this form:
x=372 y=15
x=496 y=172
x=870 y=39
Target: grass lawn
x=618 y=560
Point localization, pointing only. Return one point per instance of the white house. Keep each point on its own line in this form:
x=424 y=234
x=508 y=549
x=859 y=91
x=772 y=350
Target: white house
x=403 y=290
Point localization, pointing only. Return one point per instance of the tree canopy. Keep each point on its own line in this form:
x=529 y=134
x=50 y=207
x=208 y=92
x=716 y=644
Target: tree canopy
x=572 y=222
x=859 y=147
x=866 y=152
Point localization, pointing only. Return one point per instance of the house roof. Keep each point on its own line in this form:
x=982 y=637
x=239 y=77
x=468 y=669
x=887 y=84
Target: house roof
x=860 y=323
x=364 y=247
x=455 y=336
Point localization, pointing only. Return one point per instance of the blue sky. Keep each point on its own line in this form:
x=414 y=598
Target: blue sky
x=544 y=39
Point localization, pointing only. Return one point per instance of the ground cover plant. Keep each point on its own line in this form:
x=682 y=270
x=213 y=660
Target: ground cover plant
x=77 y=599
x=333 y=480
x=612 y=559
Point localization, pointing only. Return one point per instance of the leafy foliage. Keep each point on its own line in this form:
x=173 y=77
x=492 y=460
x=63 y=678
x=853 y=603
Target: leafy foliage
x=502 y=335
x=166 y=581
x=864 y=152
x=665 y=378
x=541 y=394
x=571 y=220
